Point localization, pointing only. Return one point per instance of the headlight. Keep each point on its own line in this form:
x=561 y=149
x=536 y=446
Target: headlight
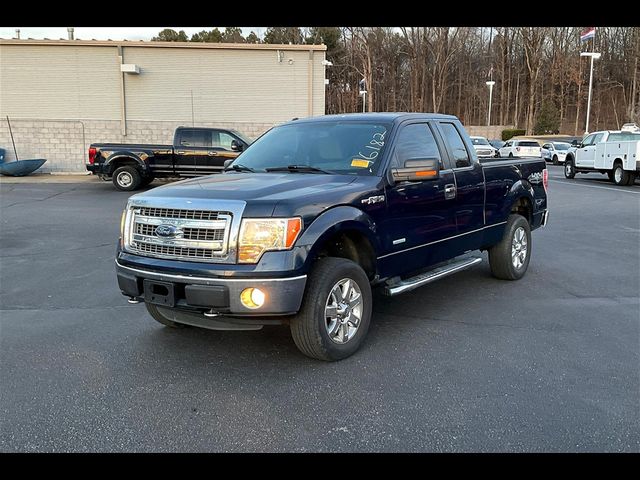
x=258 y=235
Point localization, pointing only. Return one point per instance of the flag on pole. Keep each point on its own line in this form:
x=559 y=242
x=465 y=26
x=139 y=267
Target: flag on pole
x=590 y=32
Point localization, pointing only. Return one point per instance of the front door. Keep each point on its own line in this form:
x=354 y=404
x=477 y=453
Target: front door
x=420 y=216
x=219 y=151
x=586 y=154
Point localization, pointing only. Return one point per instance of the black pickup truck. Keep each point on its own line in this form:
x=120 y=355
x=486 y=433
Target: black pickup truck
x=196 y=151
x=317 y=212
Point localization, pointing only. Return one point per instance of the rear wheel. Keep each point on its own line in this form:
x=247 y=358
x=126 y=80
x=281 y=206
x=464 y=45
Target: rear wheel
x=621 y=176
x=336 y=310
x=509 y=259
x=569 y=168
x=127 y=178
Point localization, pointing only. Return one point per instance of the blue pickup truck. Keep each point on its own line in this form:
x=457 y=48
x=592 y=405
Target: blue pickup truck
x=316 y=213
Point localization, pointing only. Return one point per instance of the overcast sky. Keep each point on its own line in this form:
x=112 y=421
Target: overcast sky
x=105 y=33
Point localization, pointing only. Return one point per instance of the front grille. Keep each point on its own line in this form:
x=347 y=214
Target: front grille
x=178 y=213
x=198 y=235
x=175 y=251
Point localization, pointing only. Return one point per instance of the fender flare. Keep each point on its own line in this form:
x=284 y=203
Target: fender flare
x=119 y=155
x=330 y=223
x=520 y=189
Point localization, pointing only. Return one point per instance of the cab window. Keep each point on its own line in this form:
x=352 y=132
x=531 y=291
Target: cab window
x=461 y=157
x=416 y=141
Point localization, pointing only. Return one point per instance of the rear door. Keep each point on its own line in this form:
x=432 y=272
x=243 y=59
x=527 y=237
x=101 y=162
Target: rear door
x=469 y=177
x=506 y=149
x=191 y=149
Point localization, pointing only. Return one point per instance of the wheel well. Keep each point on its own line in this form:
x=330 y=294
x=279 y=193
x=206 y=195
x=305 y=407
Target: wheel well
x=121 y=162
x=616 y=161
x=569 y=157
x=523 y=207
x=353 y=245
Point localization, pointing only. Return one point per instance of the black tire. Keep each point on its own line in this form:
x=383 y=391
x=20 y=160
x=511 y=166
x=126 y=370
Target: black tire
x=632 y=178
x=309 y=326
x=621 y=177
x=158 y=315
x=147 y=180
x=610 y=175
x=500 y=255
x=510 y=154
x=569 y=168
x=127 y=178
x=555 y=160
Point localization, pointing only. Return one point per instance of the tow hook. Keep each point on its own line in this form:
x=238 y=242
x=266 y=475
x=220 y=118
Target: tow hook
x=211 y=313
x=134 y=300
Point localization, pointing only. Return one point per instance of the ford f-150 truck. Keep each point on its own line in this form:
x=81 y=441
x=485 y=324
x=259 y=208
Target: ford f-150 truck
x=614 y=152
x=317 y=212
x=195 y=152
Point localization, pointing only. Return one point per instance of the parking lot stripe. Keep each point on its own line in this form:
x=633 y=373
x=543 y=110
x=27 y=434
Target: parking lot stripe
x=596 y=186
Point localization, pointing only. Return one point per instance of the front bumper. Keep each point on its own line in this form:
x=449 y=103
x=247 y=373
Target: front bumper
x=222 y=295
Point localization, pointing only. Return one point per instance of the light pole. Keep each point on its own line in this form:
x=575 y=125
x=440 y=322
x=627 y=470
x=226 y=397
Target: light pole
x=594 y=56
x=363 y=93
x=491 y=83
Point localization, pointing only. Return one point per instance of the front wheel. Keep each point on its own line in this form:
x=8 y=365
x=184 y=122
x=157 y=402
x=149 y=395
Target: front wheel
x=555 y=160
x=509 y=259
x=336 y=311
x=569 y=169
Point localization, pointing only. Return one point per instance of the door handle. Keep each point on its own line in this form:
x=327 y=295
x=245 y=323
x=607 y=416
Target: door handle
x=213 y=153
x=181 y=152
x=449 y=191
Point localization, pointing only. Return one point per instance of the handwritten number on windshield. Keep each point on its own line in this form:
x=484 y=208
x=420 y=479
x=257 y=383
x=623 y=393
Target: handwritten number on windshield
x=374 y=147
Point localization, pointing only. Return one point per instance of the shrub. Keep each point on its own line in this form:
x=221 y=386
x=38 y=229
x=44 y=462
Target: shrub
x=511 y=132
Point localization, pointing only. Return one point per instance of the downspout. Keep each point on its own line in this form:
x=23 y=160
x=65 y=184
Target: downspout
x=310 y=84
x=123 y=107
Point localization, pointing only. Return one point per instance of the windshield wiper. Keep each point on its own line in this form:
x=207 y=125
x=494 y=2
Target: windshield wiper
x=238 y=167
x=298 y=168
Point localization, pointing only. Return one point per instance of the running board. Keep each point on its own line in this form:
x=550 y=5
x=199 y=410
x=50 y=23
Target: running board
x=430 y=276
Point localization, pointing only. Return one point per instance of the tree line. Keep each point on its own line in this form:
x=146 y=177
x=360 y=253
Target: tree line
x=541 y=79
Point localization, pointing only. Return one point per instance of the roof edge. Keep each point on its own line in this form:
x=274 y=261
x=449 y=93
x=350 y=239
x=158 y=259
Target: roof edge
x=150 y=44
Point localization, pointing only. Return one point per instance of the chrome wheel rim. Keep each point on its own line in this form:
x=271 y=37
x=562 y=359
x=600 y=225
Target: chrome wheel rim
x=618 y=174
x=343 y=311
x=125 y=179
x=519 y=248
x=567 y=168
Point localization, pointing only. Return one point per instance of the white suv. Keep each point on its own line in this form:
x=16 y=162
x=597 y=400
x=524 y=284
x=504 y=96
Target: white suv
x=520 y=148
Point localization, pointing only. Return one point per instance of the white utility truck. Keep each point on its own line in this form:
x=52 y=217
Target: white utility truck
x=614 y=152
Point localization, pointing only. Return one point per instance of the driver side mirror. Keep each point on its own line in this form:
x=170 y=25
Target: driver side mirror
x=416 y=170
x=236 y=146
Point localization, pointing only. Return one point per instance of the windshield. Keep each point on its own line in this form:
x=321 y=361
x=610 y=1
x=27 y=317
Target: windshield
x=480 y=141
x=351 y=148
x=562 y=146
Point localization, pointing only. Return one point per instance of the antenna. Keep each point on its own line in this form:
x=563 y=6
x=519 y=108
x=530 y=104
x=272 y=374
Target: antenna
x=14 y=143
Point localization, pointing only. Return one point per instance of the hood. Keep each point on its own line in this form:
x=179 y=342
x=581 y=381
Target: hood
x=263 y=192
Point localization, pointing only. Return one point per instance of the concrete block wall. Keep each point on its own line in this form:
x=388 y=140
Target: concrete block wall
x=64 y=143
x=494 y=132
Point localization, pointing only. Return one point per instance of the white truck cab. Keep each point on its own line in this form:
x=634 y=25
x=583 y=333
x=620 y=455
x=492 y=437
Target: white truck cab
x=614 y=152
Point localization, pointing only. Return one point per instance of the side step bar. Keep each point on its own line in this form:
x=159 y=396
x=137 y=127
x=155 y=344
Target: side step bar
x=430 y=276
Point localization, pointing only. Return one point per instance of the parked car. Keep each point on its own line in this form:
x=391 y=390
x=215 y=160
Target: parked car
x=555 y=151
x=318 y=211
x=483 y=148
x=497 y=144
x=520 y=148
x=612 y=152
x=195 y=151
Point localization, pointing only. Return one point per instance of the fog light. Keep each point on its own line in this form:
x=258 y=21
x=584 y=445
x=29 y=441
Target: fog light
x=252 y=297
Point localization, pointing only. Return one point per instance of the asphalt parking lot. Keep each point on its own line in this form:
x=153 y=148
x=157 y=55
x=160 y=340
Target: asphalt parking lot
x=470 y=363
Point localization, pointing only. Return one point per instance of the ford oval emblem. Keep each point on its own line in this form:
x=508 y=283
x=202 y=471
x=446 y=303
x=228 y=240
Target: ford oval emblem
x=166 y=231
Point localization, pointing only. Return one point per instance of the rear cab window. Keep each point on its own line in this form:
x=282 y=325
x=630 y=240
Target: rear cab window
x=460 y=155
